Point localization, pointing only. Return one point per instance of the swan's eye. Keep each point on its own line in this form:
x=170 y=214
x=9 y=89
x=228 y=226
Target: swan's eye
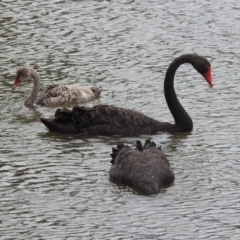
x=19 y=76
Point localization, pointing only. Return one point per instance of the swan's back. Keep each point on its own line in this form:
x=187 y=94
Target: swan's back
x=144 y=168
x=64 y=94
x=105 y=120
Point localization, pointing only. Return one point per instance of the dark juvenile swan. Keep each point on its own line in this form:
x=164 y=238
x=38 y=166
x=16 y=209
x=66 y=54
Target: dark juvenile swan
x=109 y=120
x=55 y=94
x=144 y=168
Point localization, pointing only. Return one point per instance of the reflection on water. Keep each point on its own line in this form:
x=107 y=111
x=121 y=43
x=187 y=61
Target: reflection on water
x=57 y=186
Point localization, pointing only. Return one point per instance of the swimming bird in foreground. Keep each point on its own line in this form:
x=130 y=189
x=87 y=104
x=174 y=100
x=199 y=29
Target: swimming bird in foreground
x=145 y=168
x=109 y=120
x=56 y=94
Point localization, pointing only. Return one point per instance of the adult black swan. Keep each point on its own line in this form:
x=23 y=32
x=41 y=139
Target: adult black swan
x=144 y=168
x=56 y=94
x=109 y=120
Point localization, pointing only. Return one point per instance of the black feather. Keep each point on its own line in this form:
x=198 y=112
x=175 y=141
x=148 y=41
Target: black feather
x=145 y=168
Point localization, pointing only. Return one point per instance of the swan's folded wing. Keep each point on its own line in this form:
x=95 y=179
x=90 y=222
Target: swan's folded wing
x=53 y=91
x=111 y=116
x=101 y=120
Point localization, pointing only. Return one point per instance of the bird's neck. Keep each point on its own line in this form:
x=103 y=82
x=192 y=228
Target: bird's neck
x=35 y=91
x=183 y=121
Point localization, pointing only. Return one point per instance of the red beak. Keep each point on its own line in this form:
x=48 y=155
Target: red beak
x=16 y=83
x=208 y=76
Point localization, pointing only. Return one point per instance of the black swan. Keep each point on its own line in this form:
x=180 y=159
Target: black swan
x=144 y=168
x=55 y=94
x=110 y=120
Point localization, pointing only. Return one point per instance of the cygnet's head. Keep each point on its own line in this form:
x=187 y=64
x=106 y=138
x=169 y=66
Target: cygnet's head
x=22 y=74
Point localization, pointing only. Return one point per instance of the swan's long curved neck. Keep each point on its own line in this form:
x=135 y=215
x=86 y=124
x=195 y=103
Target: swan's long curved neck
x=35 y=91
x=183 y=121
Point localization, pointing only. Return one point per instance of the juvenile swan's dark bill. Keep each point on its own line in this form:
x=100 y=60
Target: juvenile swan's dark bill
x=109 y=120
x=144 y=168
